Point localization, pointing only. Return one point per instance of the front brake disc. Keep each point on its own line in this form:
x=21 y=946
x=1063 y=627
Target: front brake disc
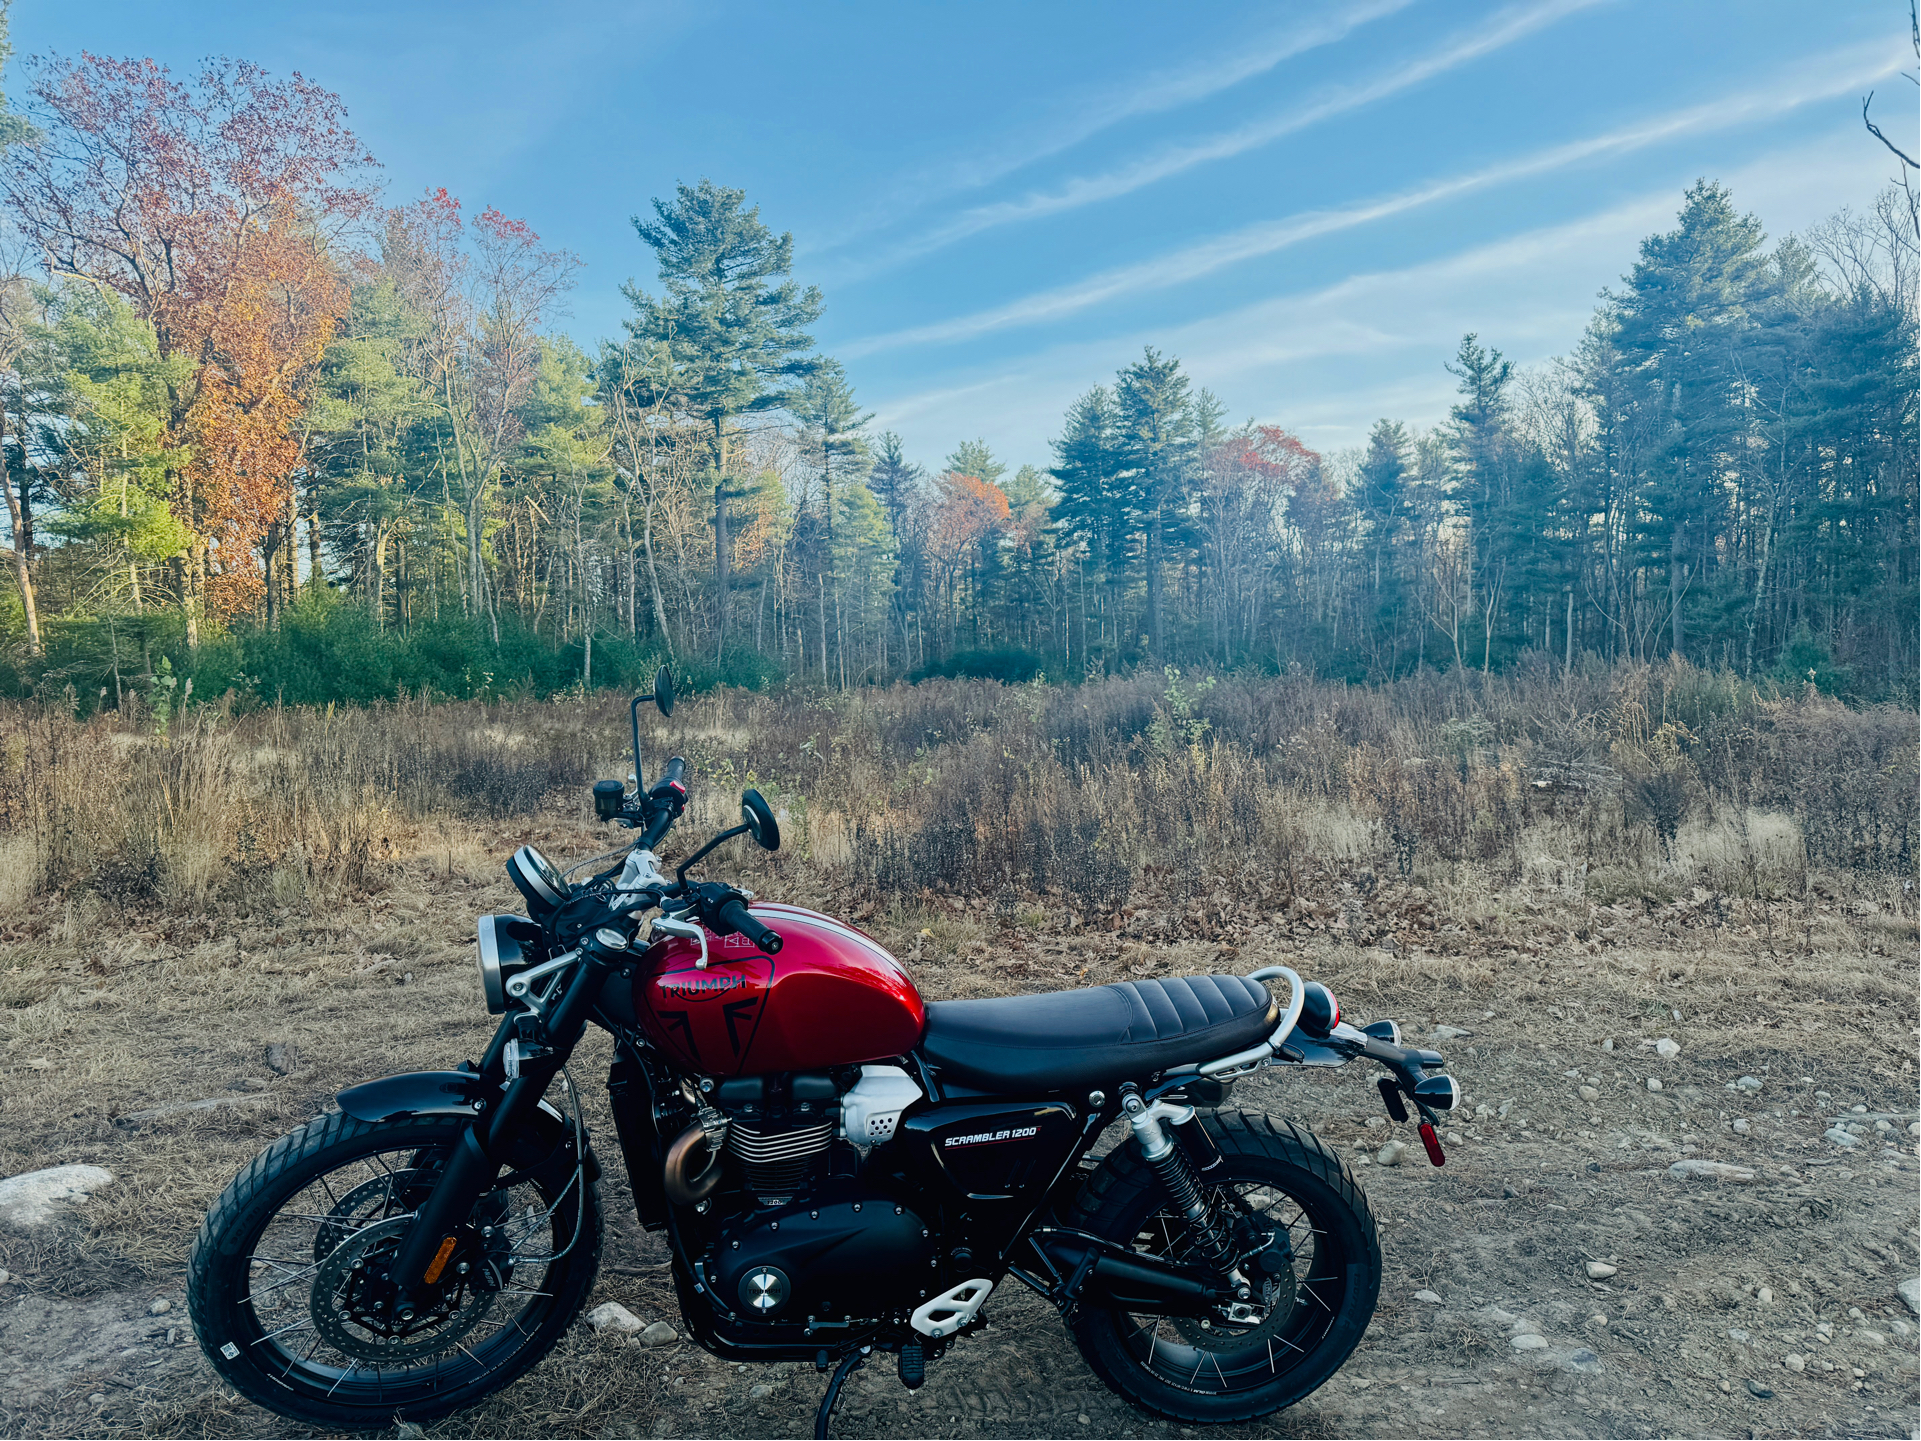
x=341 y=1315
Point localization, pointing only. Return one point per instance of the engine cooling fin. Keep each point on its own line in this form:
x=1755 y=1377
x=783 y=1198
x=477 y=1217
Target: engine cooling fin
x=776 y=1161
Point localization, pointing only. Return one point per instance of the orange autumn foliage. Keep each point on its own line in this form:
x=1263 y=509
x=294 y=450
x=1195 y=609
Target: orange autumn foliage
x=209 y=207
x=259 y=342
x=968 y=511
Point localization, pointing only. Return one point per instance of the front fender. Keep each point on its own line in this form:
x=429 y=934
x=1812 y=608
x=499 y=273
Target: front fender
x=415 y=1093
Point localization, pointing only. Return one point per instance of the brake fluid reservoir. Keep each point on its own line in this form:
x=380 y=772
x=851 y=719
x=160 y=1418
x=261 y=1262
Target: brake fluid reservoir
x=870 y=1109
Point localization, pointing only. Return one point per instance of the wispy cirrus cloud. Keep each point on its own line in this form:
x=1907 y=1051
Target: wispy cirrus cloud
x=1150 y=95
x=1170 y=160
x=1328 y=361
x=1836 y=73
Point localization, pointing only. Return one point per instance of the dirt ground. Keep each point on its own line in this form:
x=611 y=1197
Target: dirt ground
x=1719 y=1286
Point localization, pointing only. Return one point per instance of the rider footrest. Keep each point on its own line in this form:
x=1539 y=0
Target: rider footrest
x=913 y=1365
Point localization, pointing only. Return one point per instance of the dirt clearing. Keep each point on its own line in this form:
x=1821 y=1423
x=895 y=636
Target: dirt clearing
x=1759 y=1301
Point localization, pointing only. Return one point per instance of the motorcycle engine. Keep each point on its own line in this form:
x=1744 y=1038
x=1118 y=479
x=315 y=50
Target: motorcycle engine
x=839 y=1253
x=801 y=1240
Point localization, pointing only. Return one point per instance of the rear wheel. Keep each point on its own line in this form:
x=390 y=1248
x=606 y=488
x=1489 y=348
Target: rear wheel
x=283 y=1282
x=1308 y=1254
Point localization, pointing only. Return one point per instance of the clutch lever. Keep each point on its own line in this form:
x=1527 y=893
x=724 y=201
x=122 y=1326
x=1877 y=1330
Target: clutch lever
x=686 y=930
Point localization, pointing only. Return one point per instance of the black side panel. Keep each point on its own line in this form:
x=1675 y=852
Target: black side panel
x=990 y=1151
x=640 y=1141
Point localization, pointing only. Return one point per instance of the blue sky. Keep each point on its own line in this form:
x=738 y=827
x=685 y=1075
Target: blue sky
x=1309 y=203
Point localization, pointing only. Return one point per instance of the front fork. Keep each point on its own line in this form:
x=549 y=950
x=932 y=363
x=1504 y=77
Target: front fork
x=476 y=1162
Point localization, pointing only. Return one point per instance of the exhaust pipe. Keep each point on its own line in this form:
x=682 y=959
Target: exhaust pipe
x=692 y=1171
x=1129 y=1281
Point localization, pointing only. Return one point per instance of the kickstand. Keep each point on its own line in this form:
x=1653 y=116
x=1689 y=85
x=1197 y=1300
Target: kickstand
x=841 y=1373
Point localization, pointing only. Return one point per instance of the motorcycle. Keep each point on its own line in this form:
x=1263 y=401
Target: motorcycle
x=840 y=1170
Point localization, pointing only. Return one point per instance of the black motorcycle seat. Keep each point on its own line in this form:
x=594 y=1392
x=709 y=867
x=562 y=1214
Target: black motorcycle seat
x=1063 y=1040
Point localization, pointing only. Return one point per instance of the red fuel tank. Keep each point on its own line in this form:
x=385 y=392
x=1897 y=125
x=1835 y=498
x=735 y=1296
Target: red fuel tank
x=832 y=997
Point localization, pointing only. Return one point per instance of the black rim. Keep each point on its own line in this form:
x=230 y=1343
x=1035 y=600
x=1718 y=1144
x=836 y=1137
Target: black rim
x=306 y=1318
x=1295 y=1274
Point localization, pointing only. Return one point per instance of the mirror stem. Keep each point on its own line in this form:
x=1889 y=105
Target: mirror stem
x=633 y=716
x=680 y=875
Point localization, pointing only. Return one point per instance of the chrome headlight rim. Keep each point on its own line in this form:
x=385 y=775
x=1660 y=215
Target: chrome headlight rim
x=499 y=955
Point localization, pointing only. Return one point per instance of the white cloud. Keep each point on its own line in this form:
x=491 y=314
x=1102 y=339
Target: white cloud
x=1328 y=362
x=1839 y=72
x=1507 y=27
x=1150 y=95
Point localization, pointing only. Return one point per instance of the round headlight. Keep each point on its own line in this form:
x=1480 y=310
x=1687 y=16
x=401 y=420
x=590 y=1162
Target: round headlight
x=501 y=954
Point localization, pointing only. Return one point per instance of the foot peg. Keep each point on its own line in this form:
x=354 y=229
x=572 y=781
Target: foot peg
x=913 y=1365
x=951 y=1310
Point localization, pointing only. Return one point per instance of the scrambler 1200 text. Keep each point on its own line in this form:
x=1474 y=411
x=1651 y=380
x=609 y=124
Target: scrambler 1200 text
x=839 y=1170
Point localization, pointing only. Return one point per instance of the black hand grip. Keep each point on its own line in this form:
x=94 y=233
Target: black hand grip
x=672 y=778
x=736 y=916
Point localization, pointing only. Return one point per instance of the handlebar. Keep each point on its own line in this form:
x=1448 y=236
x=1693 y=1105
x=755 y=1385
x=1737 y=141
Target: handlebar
x=665 y=800
x=736 y=915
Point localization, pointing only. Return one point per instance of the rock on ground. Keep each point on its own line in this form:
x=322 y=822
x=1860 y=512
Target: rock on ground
x=612 y=1317
x=1710 y=1171
x=36 y=1197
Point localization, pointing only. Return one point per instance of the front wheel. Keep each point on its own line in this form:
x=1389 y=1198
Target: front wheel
x=1309 y=1257
x=283 y=1282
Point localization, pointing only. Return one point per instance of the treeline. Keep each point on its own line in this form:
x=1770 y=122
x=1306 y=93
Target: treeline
x=265 y=434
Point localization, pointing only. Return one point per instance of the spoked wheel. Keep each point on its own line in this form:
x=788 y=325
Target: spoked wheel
x=286 y=1282
x=1308 y=1260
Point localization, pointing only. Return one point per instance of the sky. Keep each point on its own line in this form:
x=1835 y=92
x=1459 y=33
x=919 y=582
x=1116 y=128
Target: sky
x=1004 y=203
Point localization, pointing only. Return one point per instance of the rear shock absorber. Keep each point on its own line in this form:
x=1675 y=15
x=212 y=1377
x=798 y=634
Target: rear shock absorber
x=1176 y=1172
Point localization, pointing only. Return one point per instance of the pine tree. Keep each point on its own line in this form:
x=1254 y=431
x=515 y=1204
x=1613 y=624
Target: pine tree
x=1093 y=504
x=892 y=478
x=976 y=458
x=1685 y=322
x=729 y=329
x=832 y=422
x=1158 y=445
x=1387 y=518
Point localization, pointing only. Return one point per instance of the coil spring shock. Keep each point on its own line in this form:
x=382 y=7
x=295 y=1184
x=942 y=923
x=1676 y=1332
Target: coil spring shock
x=1176 y=1172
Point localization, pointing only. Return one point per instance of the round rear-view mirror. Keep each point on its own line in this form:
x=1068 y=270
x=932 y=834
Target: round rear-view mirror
x=664 y=690
x=756 y=815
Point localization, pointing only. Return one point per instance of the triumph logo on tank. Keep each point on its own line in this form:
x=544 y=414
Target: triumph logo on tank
x=987 y=1138
x=701 y=985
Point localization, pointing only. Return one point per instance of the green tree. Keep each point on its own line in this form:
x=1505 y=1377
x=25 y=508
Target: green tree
x=365 y=406
x=976 y=458
x=1158 y=436
x=1687 y=322
x=1093 y=507
x=729 y=329
x=831 y=422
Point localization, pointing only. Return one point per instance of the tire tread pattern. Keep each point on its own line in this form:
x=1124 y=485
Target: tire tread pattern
x=225 y=1223
x=1122 y=1178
